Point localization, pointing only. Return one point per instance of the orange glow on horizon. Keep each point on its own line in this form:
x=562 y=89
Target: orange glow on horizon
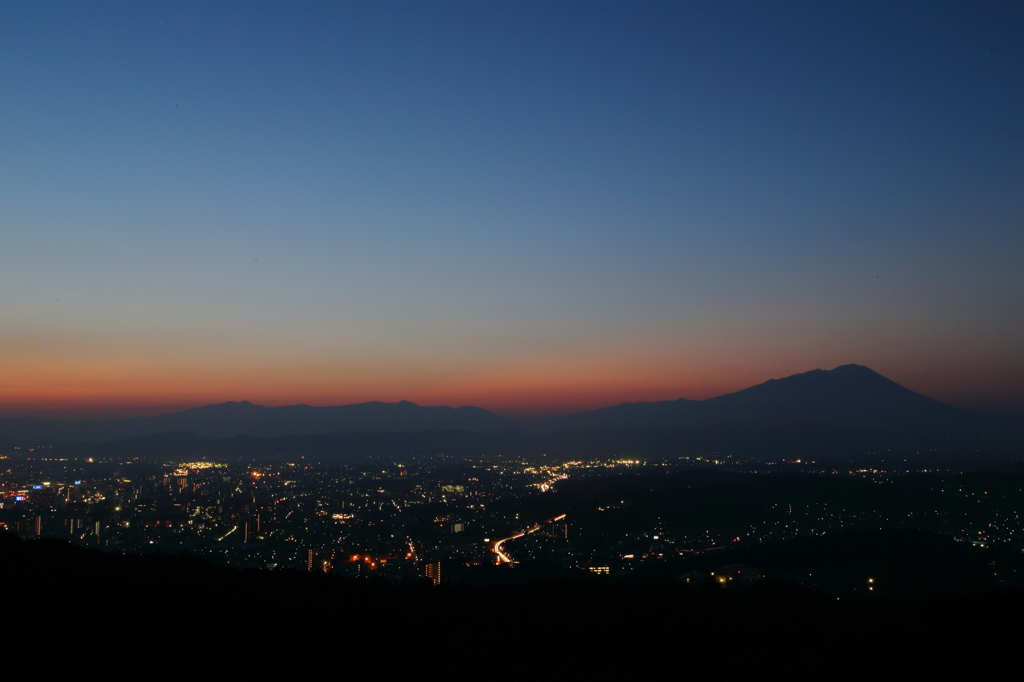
x=108 y=388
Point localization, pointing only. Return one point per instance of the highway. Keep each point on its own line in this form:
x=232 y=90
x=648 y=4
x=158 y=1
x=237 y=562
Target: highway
x=501 y=557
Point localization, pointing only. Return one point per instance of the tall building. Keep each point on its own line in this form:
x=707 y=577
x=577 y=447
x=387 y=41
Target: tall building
x=318 y=560
x=432 y=572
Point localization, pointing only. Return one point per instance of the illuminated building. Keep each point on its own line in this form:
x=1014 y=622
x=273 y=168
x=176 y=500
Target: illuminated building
x=318 y=560
x=737 y=575
x=432 y=572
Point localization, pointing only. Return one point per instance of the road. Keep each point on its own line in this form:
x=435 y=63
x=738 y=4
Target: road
x=501 y=556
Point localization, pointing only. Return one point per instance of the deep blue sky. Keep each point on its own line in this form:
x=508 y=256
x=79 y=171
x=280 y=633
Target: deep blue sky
x=524 y=206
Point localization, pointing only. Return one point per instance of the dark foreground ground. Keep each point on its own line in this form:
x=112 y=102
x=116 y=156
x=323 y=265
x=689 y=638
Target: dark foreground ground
x=71 y=610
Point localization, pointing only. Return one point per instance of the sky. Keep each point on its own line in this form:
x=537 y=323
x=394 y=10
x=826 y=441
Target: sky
x=531 y=207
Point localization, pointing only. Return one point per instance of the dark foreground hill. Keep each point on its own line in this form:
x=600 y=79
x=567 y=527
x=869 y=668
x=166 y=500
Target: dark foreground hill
x=71 y=610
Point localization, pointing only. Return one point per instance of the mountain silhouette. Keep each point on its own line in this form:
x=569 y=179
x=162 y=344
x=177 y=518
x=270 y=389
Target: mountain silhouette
x=850 y=396
x=847 y=396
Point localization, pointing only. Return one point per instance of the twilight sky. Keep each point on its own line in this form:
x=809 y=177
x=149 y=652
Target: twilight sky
x=530 y=207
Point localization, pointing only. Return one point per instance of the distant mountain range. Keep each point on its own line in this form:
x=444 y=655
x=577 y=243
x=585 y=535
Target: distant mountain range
x=851 y=396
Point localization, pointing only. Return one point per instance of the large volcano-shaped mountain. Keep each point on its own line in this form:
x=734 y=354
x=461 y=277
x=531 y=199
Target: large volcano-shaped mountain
x=847 y=396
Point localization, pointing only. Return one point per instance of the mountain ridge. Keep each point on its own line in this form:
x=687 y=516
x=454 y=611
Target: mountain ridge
x=849 y=396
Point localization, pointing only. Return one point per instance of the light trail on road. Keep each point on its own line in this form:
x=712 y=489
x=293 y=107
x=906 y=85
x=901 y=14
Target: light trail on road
x=501 y=557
